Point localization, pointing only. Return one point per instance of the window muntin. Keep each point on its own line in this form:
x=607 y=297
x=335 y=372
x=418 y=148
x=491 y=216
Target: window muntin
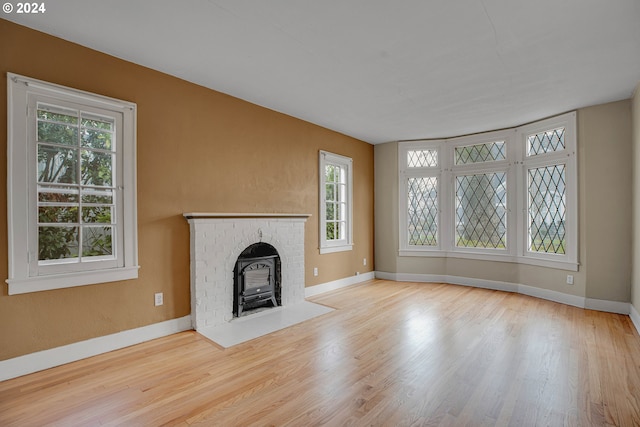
x=71 y=187
x=427 y=158
x=480 y=153
x=336 y=206
x=548 y=141
x=481 y=210
x=335 y=202
x=75 y=148
x=422 y=212
x=546 y=207
x=514 y=221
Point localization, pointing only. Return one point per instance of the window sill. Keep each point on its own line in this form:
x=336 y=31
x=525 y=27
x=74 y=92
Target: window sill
x=69 y=280
x=560 y=265
x=332 y=249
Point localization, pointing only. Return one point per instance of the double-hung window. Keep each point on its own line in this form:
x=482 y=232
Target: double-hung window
x=71 y=187
x=509 y=195
x=336 y=202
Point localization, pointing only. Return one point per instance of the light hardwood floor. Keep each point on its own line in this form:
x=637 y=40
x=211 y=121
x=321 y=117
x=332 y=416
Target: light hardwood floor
x=392 y=354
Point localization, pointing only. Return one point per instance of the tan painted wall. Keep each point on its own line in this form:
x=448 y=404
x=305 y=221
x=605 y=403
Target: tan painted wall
x=604 y=170
x=604 y=132
x=635 y=286
x=198 y=150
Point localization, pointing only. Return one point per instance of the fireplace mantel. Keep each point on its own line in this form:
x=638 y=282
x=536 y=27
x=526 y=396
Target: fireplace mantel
x=205 y=215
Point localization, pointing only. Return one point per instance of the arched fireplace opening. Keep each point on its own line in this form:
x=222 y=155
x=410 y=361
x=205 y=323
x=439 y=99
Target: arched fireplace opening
x=256 y=282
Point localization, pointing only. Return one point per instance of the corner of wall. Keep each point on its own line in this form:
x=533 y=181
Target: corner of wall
x=635 y=318
x=635 y=225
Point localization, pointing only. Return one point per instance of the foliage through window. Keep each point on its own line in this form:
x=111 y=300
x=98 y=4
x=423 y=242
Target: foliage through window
x=422 y=210
x=481 y=214
x=335 y=202
x=73 y=208
x=76 y=197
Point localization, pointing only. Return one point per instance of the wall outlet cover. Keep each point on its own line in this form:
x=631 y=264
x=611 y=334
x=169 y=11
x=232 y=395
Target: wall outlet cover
x=159 y=299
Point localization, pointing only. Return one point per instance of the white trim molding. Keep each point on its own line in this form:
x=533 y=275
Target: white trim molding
x=341 y=200
x=547 y=294
x=338 y=284
x=41 y=360
x=635 y=317
x=30 y=103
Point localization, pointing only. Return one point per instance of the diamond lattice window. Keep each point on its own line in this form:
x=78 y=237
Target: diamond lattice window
x=481 y=211
x=422 y=158
x=480 y=153
x=547 y=205
x=423 y=211
x=546 y=142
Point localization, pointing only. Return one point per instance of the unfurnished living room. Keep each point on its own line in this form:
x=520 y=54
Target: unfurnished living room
x=295 y=213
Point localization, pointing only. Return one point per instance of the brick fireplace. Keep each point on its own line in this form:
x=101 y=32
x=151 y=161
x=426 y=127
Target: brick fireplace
x=217 y=240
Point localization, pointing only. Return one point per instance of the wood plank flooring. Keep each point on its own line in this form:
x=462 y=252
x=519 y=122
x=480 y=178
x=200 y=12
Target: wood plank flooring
x=392 y=354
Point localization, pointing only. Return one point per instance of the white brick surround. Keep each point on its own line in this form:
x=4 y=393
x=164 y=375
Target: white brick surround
x=216 y=242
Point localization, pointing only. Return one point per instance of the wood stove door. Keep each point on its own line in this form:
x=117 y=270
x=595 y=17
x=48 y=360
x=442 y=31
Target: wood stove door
x=257 y=278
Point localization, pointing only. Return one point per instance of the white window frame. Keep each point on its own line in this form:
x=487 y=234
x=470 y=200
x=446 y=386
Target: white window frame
x=407 y=173
x=475 y=169
x=515 y=166
x=568 y=157
x=26 y=273
x=345 y=244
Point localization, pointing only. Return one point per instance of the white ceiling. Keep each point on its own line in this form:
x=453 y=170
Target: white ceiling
x=373 y=69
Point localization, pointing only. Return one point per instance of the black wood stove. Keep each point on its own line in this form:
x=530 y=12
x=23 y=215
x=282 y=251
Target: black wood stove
x=256 y=279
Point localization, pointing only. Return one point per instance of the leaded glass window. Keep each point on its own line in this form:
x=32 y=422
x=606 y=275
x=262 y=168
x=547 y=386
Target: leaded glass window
x=479 y=153
x=422 y=199
x=427 y=158
x=546 y=142
x=508 y=195
x=481 y=211
x=547 y=209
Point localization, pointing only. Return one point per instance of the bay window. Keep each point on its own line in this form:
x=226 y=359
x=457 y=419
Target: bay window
x=509 y=195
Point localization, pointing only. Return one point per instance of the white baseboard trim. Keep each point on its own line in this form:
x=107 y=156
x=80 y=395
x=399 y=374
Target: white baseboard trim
x=481 y=283
x=41 y=360
x=337 y=284
x=635 y=317
x=549 y=295
x=574 y=300
x=608 y=306
x=409 y=277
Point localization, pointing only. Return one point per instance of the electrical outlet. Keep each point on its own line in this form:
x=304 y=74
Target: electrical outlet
x=569 y=279
x=364 y=261
x=159 y=299
x=315 y=271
